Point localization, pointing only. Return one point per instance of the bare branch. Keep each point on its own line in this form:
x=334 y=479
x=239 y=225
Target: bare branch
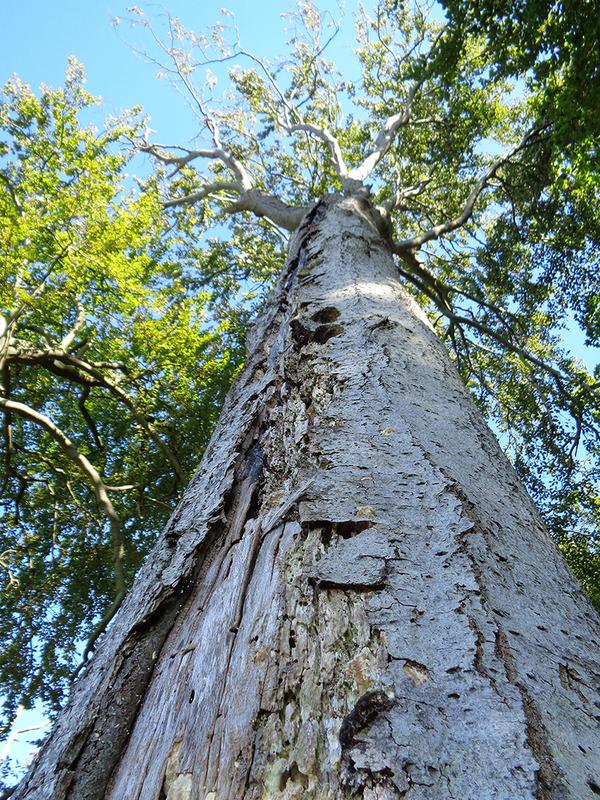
x=79 y=323
x=249 y=199
x=206 y=191
x=385 y=137
x=316 y=54
x=88 y=418
x=439 y=293
x=139 y=417
x=288 y=110
x=402 y=195
x=243 y=180
x=82 y=372
x=334 y=146
x=265 y=205
x=426 y=281
x=450 y=225
x=69 y=448
x=7 y=430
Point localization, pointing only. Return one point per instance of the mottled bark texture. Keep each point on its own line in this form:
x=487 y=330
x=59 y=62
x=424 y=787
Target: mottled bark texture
x=356 y=597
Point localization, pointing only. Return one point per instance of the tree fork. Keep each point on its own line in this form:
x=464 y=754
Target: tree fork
x=355 y=597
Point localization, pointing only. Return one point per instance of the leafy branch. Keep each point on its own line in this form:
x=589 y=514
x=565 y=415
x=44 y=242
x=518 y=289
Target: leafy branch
x=100 y=490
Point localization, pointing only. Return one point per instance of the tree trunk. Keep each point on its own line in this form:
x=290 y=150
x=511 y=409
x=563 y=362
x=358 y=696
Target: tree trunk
x=355 y=598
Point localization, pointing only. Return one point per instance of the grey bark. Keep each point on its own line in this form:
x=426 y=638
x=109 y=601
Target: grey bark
x=355 y=598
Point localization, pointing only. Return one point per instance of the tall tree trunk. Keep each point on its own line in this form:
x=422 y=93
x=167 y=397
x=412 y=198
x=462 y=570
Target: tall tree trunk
x=355 y=598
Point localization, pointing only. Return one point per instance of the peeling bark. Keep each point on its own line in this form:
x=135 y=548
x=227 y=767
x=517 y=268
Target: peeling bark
x=355 y=598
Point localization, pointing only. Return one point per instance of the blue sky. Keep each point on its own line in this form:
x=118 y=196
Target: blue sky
x=44 y=34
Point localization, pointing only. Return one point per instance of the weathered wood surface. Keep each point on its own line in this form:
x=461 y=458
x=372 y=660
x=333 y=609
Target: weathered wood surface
x=355 y=598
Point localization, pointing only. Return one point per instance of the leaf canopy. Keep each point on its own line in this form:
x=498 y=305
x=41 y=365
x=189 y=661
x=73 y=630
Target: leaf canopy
x=110 y=341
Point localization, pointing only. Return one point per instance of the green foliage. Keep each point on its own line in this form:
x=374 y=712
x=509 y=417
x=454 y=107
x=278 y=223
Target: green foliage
x=541 y=253
x=122 y=333
x=553 y=46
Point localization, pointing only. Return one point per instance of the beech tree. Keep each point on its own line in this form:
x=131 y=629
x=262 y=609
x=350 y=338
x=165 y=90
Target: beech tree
x=356 y=597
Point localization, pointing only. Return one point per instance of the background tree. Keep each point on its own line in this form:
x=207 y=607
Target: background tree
x=115 y=358
x=549 y=50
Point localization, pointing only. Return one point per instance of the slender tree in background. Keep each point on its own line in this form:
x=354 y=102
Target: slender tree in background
x=356 y=597
x=104 y=350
